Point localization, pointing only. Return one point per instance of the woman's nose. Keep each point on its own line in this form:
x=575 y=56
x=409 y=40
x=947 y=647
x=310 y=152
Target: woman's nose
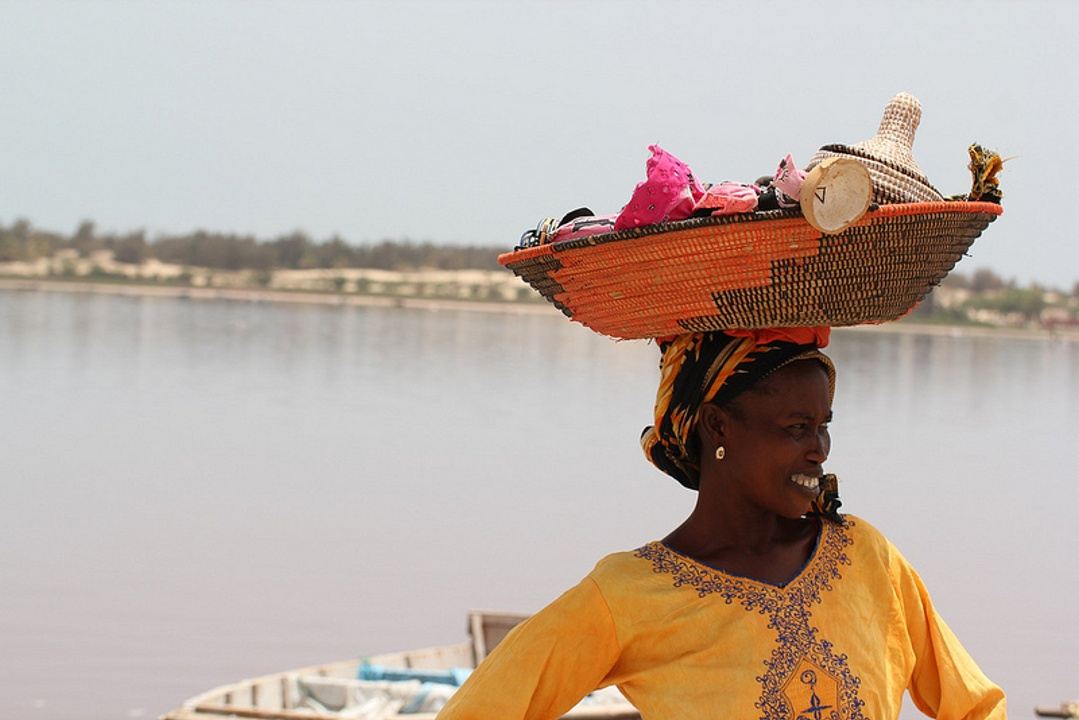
x=818 y=450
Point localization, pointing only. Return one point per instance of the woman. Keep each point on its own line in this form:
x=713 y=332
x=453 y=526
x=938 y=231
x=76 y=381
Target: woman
x=765 y=602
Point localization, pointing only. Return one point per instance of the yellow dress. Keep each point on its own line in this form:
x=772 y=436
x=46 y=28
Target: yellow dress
x=841 y=641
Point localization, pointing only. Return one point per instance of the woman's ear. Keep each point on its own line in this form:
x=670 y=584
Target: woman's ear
x=712 y=425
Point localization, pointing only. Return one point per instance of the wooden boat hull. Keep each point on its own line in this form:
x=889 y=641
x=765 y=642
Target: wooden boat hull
x=278 y=696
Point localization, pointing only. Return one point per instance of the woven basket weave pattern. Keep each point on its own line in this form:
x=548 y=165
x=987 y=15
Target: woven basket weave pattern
x=753 y=271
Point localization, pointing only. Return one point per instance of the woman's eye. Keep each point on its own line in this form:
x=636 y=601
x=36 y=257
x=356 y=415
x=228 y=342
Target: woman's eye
x=800 y=429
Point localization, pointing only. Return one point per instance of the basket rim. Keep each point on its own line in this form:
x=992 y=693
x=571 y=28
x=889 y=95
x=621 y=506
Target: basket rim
x=793 y=217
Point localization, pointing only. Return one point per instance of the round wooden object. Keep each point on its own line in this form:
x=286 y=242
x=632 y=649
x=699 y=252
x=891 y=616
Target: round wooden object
x=835 y=194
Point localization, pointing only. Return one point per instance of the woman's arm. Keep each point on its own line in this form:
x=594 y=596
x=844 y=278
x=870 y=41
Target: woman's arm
x=545 y=665
x=946 y=682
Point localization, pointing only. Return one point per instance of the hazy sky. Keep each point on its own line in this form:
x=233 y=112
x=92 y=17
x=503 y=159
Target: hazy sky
x=469 y=121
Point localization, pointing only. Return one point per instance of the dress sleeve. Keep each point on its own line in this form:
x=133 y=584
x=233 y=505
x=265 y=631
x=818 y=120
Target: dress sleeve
x=545 y=665
x=946 y=682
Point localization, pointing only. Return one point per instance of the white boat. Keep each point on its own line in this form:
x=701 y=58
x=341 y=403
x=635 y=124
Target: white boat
x=1066 y=710
x=338 y=690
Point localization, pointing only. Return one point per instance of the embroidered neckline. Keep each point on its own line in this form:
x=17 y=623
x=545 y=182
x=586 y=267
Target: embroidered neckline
x=802 y=660
x=814 y=553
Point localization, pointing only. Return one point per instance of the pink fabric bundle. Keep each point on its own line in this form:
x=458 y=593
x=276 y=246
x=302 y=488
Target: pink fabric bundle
x=728 y=198
x=788 y=183
x=670 y=192
x=583 y=227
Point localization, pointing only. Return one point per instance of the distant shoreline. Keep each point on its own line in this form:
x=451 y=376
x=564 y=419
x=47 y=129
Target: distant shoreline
x=419 y=303
x=302 y=297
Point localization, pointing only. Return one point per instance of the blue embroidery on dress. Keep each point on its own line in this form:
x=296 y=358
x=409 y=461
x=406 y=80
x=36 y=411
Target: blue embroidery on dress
x=789 y=611
x=816 y=708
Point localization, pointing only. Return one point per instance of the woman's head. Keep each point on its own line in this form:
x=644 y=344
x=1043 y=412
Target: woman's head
x=774 y=439
x=736 y=375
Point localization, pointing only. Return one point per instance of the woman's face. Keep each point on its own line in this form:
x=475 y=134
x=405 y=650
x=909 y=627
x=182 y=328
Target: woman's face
x=776 y=440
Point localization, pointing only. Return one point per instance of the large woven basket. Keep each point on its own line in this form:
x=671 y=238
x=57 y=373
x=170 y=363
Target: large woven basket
x=767 y=269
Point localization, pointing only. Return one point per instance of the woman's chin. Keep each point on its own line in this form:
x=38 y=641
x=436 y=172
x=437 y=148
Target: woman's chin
x=799 y=508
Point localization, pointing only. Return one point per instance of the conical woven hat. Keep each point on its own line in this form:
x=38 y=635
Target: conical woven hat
x=897 y=177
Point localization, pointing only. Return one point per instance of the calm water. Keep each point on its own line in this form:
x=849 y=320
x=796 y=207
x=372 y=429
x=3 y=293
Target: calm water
x=196 y=492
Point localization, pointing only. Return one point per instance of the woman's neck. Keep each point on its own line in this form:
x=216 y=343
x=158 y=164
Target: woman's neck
x=720 y=525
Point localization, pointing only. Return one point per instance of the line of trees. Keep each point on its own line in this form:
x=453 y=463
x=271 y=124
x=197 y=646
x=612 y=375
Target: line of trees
x=985 y=290
x=983 y=282
x=221 y=251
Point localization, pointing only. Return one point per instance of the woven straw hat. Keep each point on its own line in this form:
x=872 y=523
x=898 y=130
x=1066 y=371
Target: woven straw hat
x=888 y=156
x=772 y=268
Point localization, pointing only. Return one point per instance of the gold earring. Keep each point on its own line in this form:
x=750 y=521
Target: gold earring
x=721 y=453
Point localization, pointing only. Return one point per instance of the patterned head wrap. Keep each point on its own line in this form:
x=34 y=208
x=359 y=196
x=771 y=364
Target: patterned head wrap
x=699 y=368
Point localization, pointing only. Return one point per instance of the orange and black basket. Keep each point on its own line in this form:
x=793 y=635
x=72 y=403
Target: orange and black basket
x=765 y=269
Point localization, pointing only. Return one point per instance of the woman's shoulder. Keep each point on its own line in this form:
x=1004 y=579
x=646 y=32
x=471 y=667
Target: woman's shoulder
x=630 y=572
x=867 y=541
x=637 y=586
x=858 y=528
x=625 y=563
